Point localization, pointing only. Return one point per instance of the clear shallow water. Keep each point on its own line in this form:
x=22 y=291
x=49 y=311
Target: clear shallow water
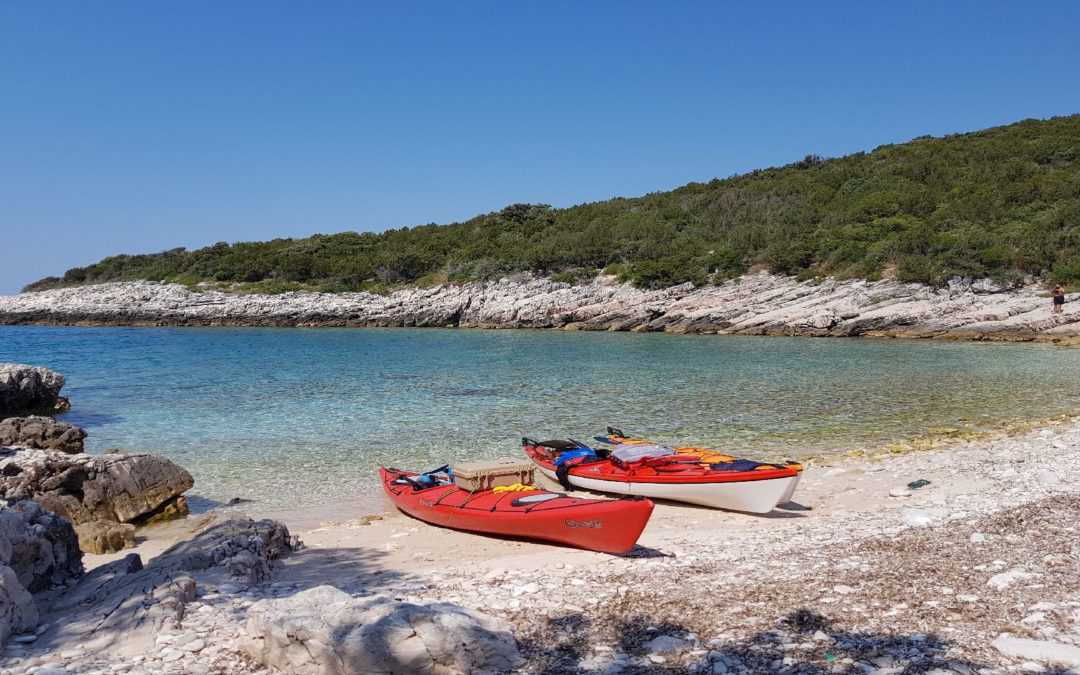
x=303 y=417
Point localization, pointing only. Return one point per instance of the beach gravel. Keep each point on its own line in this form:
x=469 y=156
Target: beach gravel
x=976 y=572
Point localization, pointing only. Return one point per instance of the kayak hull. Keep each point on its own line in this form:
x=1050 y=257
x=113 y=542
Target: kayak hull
x=751 y=496
x=790 y=492
x=708 y=456
x=673 y=477
x=607 y=525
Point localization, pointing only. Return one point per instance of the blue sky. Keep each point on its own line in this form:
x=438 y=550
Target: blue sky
x=133 y=127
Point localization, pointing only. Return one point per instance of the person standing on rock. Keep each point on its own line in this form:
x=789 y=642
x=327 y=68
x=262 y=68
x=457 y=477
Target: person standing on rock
x=1059 y=298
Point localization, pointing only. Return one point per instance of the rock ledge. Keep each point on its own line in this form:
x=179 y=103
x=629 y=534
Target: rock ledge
x=759 y=304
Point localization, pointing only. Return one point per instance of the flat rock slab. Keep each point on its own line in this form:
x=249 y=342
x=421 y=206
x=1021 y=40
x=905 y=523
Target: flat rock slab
x=1041 y=651
x=122 y=606
x=325 y=631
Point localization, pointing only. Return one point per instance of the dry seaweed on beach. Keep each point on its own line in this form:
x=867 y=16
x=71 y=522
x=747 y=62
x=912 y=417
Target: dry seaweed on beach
x=919 y=599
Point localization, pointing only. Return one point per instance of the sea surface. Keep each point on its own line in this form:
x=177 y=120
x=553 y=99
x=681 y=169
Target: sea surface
x=295 y=418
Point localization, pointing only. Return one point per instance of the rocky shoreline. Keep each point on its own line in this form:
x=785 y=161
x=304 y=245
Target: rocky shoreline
x=976 y=571
x=59 y=507
x=758 y=304
x=955 y=560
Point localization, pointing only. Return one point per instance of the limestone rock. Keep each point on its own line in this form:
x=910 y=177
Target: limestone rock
x=83 y=488
x=38 y=550
x=1006 y=579
x=916 y=517
x=756 y=304
x=1046 y=477
x=325 y=631
x=991 y=286
x=29 y=389
x=39 y=546
x=177 y=507
x=43 y=433
x=1042 y=651
x=667 y=644
x=122 y=606
x=17 y=611
x=104 y=536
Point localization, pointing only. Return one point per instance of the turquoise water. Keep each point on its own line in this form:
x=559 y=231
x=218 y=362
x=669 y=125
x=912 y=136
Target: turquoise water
x=302 y=417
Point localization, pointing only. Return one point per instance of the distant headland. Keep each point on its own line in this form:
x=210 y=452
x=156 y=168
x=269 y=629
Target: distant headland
x=999 y=203
x=952 y=237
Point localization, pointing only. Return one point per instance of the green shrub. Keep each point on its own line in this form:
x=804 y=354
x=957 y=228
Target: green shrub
x=1003 y=202
x=573 y=276
x=273 y=287
x=1066 y=272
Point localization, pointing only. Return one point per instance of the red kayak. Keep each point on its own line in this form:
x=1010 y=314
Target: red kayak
x=659 y=472
x=608 y=525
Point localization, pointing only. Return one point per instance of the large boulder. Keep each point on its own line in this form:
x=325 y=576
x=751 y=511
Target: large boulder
x=38 y=551
x=119 y=487
x=43 y=433
x=325 y=631
x=29 y=389
x=40 y=547
x=18 y=614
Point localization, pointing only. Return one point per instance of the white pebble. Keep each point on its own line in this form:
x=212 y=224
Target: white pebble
x=1006 y=579
x=531 y=587
x=1046 y=477
x=193 y=646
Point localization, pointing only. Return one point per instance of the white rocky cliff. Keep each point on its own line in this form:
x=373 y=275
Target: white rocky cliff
x=754 y=304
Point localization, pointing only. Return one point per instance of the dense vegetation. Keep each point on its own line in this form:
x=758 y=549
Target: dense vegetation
x=1003 y=203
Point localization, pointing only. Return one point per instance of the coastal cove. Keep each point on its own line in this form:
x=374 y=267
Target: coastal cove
x=700 y=338
x=296 y=419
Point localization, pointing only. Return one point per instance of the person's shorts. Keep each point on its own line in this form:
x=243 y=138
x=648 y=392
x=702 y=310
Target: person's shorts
x=1059 y=299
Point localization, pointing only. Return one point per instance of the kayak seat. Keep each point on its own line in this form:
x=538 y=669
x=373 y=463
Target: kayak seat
x=740 y=465
x=573 y=454
x=559 y=445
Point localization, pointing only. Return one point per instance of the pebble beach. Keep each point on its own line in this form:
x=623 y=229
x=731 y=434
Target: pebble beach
x=974 y=571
